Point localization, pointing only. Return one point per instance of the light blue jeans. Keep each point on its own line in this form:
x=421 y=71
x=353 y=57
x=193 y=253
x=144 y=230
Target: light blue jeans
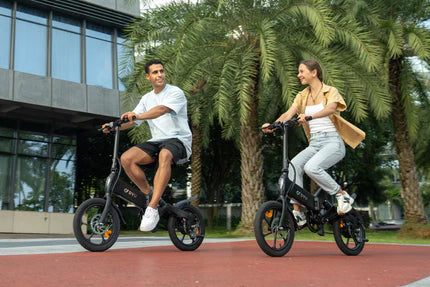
x=324 y=151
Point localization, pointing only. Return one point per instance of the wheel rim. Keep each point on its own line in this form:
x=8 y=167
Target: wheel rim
x=187 y=233
x=95 y=232
x=352 y=235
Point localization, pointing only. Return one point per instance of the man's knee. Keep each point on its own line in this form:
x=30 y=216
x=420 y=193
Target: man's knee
x=126 y=159
x=165 y=157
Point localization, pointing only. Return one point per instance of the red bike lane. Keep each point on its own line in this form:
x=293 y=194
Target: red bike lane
x=221 y=264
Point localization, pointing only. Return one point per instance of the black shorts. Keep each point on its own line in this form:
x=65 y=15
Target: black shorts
x=175 y=146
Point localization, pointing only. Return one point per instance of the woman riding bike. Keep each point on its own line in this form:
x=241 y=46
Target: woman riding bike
x=326 y=133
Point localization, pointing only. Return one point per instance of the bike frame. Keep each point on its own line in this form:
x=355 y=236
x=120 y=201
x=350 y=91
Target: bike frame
x=129 y=193
x=290 y=189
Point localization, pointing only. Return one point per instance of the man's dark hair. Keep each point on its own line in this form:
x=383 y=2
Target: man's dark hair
x=152 y=62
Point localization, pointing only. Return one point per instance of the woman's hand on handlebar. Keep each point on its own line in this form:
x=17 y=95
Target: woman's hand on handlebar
x=265 y=128
x=303 y=119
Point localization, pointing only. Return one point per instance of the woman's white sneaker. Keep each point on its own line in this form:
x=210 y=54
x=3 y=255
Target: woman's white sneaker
x=344 y=203
x=300 y=218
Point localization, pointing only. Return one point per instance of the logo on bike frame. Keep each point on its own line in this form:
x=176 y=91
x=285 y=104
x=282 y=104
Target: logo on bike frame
x=129 y=192
x=301 y=195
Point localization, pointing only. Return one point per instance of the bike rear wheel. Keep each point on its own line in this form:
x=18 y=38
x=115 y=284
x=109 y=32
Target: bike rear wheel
x=350 y=233
x=92 y=235
x=273 y=237
x=187 y=235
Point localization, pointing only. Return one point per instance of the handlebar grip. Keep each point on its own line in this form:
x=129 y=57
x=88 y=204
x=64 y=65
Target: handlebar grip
x=116 y=123
x=308 y=118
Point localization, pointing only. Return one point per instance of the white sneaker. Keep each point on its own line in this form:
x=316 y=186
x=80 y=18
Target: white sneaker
x=300 y=217
x=344 y=203
x=149 y=219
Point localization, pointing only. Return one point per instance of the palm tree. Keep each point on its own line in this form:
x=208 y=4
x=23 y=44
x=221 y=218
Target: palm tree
x=249 y=51
x=397 y=26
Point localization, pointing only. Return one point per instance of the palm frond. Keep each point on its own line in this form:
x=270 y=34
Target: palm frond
x=268 y=48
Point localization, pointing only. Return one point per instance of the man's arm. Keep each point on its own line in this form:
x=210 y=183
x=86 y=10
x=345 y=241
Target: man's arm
x=153 y=113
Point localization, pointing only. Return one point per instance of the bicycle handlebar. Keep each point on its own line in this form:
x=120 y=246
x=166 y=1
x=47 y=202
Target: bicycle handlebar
x=116 y=123
x=288 y=123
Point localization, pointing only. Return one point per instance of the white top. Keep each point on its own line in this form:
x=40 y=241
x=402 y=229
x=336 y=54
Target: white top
x=170 y=125
x=320 y=125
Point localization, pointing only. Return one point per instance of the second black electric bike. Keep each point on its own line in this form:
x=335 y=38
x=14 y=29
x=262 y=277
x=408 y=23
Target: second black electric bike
x=97 y=221
x=274 y=224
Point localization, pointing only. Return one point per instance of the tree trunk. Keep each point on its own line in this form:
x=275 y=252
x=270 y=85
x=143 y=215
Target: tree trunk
x=251 y=168
x=196 y=165
x=412 y=198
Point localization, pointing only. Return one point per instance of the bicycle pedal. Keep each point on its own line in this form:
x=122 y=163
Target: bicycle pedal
x=154 y=230
x=320 y=231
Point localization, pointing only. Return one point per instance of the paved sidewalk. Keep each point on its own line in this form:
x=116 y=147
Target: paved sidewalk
x=154 y=261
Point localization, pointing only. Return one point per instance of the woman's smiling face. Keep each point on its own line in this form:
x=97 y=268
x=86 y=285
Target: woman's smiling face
x=305 y=76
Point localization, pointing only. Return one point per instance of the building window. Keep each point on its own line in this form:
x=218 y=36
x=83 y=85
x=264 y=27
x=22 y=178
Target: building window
x=122 y=63
x=42 y=166
x=31 y=41
x=5 y=20
x=62 y=174
x=99 y=56
x=66 y=49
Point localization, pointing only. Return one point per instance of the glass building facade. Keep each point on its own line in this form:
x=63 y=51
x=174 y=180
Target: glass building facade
x=41 y=41
x=37 y=168
x=48 y=43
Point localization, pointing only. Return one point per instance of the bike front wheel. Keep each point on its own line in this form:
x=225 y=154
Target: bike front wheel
x=187 y=235
x=350 y=233
x=275 y=238
x=89 y=231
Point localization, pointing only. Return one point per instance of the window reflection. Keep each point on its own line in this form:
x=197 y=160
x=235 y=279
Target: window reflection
x=62 y=186
x=122 y=63
x=66 y=56
x=37 y=153
x=99 y=56
x=66 y=49
x=33 y=148
x=4 y=41
x=30 y=48
x=30 y=14
x=5 y=168
x=5 y=8
x=30 y=183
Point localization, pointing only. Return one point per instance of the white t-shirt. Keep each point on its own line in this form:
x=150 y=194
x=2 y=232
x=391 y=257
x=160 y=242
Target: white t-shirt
x=320 y=125
x=170 y=125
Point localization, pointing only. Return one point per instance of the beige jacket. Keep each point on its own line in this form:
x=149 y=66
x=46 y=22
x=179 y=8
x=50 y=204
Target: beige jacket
x=350 y=134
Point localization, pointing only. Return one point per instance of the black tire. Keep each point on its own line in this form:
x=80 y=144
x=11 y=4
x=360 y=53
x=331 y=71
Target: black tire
x=89 y=234
x=350 y=233
x=274 y=239
x=186 y=235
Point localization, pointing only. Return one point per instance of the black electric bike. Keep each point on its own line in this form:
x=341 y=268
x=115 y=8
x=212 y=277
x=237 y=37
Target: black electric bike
x=274 y=224
x=96 y=223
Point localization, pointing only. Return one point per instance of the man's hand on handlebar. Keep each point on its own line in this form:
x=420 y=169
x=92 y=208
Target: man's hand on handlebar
x=106 y=128
x=129 y=115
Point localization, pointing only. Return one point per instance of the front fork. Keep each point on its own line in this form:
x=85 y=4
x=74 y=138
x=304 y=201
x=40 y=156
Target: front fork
x=109 y=185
